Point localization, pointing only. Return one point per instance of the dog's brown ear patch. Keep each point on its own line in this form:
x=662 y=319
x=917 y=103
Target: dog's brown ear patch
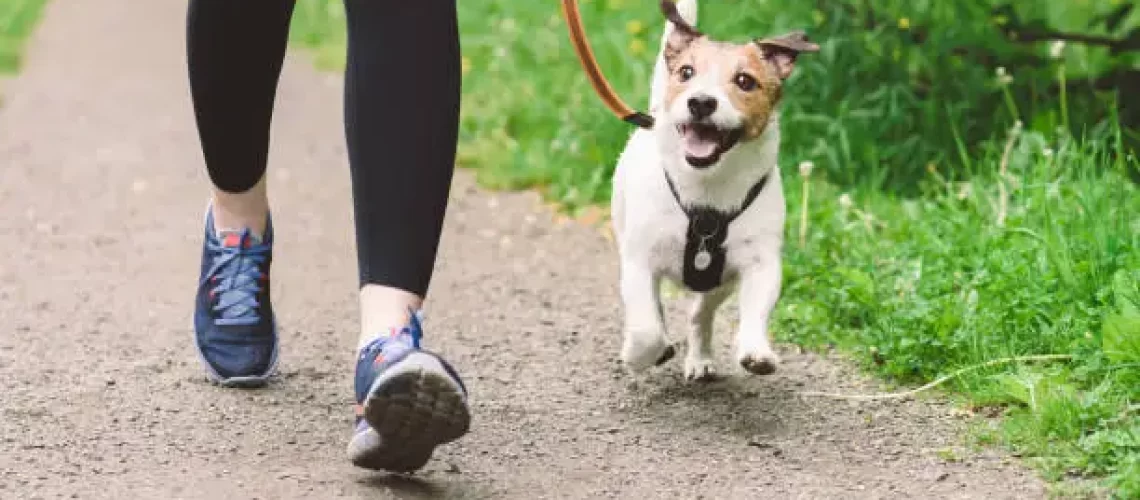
x=782 y=50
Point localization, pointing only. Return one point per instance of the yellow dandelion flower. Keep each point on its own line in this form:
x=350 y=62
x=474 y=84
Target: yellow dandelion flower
x=634 y=27
x=466 y=65
x=818 y=17
x=904 y=23
x=637 y=46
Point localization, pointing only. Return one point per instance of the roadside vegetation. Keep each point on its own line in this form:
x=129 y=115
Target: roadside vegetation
x=17 y=18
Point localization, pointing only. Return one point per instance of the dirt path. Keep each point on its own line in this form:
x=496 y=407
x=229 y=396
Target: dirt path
x=102 y=193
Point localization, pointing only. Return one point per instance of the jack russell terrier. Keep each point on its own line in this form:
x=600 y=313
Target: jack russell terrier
x=698 y=200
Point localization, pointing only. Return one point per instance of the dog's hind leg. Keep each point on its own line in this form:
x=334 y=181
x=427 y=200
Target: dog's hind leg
x=644 y=344
x=699 y=362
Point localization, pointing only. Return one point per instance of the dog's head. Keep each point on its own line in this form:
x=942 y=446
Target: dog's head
x=720 y=94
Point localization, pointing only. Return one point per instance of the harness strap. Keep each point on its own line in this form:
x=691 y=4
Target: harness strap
x=705 y=256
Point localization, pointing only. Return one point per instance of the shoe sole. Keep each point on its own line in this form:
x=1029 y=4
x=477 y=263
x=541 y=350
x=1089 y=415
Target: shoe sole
x=244 y=381
x=414 y=408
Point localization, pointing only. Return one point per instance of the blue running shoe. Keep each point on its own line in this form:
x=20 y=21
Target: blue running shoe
x=408 y=402
x=235 y=332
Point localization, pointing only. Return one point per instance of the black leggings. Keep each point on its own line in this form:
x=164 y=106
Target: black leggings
x=401 y=99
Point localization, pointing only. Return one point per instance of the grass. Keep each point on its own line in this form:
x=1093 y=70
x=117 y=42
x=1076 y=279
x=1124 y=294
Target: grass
x=17 y=19
x=956 y=215
x=916 y=288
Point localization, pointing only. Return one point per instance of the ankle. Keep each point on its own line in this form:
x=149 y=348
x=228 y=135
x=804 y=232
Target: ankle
x=385 y=311
x=245 y=210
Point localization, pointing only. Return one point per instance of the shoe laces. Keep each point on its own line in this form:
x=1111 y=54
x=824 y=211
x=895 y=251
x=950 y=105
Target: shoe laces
x=235 y=279
x=414 y=329
x=409 y=334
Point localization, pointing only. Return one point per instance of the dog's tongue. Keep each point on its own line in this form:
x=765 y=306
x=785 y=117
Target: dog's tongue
x=699 y=147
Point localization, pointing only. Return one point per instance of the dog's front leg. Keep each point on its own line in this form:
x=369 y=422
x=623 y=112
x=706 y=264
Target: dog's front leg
x=699 y=362
x=759 y=290
x=644 y=330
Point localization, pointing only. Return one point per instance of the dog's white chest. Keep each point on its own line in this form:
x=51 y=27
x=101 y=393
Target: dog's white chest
x=667 y=245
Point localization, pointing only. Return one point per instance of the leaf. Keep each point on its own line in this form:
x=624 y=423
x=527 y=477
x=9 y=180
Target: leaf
x=1121 y=330
x=1019 y=387
x=859 y=285
x=1113 y=19
x=1121 y=338
x=1126 y=289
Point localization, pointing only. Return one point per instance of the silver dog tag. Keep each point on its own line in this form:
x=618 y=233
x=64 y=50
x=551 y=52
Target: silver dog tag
x=702 y=260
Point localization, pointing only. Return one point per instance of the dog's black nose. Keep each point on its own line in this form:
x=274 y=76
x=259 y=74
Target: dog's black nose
x=702 y=106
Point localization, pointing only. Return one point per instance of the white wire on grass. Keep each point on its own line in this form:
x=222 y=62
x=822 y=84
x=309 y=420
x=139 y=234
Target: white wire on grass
x=937 y=381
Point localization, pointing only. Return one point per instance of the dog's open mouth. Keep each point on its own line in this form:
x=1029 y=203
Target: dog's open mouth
x=704 y=143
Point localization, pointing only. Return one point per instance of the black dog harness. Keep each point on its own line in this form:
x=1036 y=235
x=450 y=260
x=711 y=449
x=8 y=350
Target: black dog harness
x=704 y=258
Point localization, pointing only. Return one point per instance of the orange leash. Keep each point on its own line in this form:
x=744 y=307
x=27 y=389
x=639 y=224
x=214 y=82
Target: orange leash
x=594 y=73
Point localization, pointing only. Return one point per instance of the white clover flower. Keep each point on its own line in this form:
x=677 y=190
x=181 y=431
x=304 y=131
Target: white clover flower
x=1003 y=77
x=1056 y=49
x=1047 y=152
x=845 y=200
x=964 y=190
x=805 y=168
x=1053 y=190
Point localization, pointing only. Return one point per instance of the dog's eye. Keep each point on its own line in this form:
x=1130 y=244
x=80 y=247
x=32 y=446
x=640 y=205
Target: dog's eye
x=686 y=73
x=745 y=82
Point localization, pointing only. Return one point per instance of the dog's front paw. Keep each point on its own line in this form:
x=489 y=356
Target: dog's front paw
x=700 y=369
x=759 y=362
x=640 y=351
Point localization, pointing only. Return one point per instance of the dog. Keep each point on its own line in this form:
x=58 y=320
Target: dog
x=697 y=199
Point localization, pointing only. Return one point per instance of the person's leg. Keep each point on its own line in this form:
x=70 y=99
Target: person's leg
x=402 y=91
x=235 y=51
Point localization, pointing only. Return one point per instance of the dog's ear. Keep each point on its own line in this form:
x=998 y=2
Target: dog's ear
x=682 y=34
x=782 y=50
